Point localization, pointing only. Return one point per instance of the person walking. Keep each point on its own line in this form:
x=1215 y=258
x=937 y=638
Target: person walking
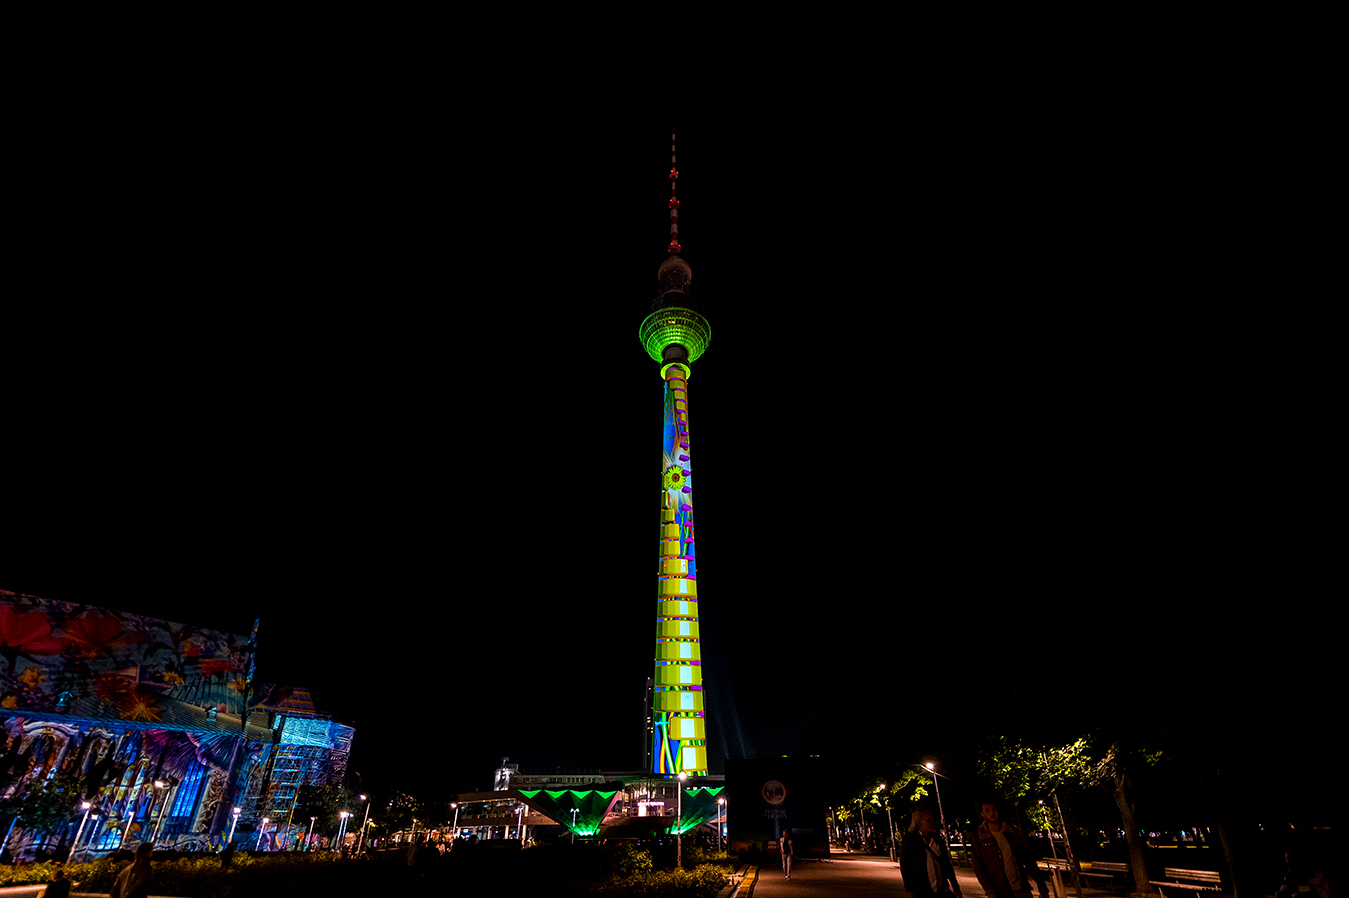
x=1001 y=859
x=134 y=881
x=59 y=886
x=785 y=846
x=924 y=861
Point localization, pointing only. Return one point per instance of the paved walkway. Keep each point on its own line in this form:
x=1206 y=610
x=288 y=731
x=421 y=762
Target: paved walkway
x=849 y=874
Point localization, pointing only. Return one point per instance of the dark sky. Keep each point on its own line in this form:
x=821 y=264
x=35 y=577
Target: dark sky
x=1010 y=389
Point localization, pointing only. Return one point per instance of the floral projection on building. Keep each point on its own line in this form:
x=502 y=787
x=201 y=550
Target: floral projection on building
x=105 y=703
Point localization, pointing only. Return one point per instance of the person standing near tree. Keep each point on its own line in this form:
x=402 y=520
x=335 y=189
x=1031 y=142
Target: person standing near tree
x=924 y=862
x=134 y=881
x=1001 y=860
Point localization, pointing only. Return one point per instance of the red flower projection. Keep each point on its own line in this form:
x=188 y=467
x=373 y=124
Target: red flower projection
x=97 y=634
x=29 y=632
x=112 y=687
x=217 y=667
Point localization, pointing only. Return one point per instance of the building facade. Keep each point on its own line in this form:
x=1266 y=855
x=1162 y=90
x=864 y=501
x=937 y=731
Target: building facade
x=157 y=725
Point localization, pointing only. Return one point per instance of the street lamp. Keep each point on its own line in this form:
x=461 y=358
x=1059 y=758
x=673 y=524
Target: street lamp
x=87 y=806
x=1048 y=835
x=232 y=825
x=573 y=825
x=892 y=825
x=309 y=842
x=159 y=784
x=721 y=823
x=679 y=821
x=520 y=823
x=455 y=805
x=364 y=823
x=341 y=829
x=936 y=785
x=261 y=830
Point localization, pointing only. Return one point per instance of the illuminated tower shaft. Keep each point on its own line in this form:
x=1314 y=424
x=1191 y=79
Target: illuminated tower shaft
x=675 y=334
x=678 y=724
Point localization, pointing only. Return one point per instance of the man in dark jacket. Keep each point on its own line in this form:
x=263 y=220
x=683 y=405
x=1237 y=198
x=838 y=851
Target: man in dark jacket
x=1002 y=862
x=924 y=861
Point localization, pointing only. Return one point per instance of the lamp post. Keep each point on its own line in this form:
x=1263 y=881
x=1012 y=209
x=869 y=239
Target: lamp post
x=520 y=823
x=87 y=806
x=936 y=785
x=232 y=825
x=721 y=823
x=892 y=824
x=159 y=784
x=364 y=823
x=7 y=832
x=309 y=840
x=1048 y=835
x=573 y=825
x=341 y=830
x=262 y=829
x=679 y=821
x=455 y=827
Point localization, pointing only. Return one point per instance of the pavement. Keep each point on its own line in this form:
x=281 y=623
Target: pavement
x=853 y=874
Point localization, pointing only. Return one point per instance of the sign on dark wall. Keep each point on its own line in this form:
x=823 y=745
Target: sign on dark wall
x=767 y=796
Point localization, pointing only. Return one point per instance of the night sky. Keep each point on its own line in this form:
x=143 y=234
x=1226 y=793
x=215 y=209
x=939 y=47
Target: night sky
x=1009 y=392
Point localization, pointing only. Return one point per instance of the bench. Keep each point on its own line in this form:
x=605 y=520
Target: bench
x=1056 y=867
x=1105 y=869
x=1201 y=881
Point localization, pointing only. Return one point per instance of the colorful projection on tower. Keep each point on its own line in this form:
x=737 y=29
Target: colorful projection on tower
x=675 y=333
x=679 y=729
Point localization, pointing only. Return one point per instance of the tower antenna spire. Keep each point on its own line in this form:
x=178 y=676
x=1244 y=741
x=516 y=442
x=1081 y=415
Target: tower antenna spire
x=674 y=201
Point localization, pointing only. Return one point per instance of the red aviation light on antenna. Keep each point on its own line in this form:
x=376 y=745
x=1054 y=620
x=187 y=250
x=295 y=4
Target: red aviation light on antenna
x=673 y=174
x=674 y=248
x=674 y=203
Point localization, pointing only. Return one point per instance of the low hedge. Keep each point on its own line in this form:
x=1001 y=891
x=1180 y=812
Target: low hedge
x=325 y=874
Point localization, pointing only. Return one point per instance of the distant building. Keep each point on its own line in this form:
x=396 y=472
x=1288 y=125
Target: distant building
x=98 y=705
x=541 y=803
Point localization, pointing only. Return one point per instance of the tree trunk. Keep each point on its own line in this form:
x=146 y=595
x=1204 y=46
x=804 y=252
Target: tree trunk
x=1229 y=852
x=1137 y=862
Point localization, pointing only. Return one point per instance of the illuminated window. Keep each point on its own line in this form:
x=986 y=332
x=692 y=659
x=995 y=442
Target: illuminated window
x=683 y=628
x=685 y=650
x=686 y=675
x=686 y=701
x=687 y=728
x=690 y=759
x=683 y=607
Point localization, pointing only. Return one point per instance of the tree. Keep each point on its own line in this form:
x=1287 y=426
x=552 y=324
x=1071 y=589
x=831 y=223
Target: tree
x=1018 y=771
x=50 y=804
x=325 y=804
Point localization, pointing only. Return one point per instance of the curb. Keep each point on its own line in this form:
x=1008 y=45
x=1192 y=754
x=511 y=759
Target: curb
x=742 y=883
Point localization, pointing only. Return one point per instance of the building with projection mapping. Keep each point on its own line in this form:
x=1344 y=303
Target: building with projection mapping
x=158 y=725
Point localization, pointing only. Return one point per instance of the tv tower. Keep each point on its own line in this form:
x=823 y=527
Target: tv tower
x=675 y=334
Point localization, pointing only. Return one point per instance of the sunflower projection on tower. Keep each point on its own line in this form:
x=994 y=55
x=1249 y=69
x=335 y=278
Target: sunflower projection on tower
x=675 y=333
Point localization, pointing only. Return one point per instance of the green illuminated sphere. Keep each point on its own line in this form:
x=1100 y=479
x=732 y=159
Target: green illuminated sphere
x=671 y=325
